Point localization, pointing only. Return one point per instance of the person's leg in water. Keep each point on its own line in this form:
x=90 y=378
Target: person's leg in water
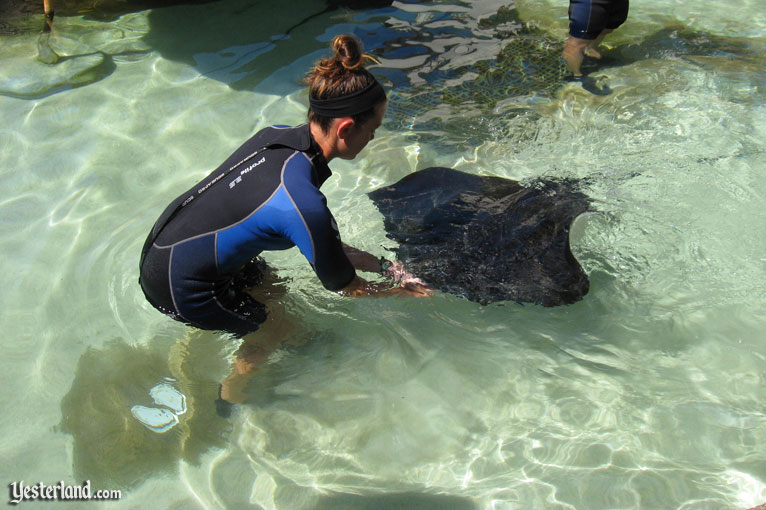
x=592 y=49
x=590 y=22
x=256 y=347
x=575 y=49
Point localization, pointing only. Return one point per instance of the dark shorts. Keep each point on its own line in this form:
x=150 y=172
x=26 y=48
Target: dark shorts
x=232 y=309
x=588 y=18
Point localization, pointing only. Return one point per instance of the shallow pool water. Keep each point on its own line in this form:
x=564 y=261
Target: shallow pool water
x=647 y=394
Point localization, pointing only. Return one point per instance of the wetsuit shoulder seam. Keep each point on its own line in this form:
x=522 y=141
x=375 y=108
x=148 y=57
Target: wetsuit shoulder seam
x=295 y=205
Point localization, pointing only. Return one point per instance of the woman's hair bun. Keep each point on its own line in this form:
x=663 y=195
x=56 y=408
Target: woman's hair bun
x=341 y=75
x=348 y=51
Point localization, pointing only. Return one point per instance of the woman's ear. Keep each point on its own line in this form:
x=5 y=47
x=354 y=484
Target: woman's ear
x=345 y=127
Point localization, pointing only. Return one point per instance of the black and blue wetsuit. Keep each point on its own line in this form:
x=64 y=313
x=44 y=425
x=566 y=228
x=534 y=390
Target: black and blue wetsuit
x=588 y=18
x=265 y=196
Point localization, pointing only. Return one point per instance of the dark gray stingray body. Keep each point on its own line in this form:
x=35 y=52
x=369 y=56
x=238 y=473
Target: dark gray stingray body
x=487 y=239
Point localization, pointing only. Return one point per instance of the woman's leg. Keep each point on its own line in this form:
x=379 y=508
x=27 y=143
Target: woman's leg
x=256 y=347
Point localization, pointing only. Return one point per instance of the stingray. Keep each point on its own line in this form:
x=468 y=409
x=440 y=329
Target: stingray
x=487 y=239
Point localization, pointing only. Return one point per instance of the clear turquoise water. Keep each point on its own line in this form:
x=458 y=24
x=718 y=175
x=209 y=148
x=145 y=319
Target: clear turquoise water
x=648 y=394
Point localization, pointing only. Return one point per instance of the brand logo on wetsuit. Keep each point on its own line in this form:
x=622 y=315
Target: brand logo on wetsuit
x=246 y=170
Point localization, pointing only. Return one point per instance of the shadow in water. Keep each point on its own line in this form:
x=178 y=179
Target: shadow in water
x=676 y=40
x=237 y=42
x=242 y=43
x=400 y=501
x=447 y=70
x=115 y=385
x=15 y=14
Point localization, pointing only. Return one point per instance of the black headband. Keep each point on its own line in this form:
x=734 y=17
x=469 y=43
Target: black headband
x=352 y=104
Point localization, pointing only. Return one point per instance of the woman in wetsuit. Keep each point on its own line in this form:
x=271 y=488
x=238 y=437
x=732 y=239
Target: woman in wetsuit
x=200 y=257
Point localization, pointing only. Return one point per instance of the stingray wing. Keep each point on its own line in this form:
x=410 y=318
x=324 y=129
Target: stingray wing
x=486 y=238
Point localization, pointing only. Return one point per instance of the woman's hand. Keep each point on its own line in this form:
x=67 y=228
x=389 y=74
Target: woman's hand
x=396 y=271
x=408 y=282
x=415 y=288
x=410 y=286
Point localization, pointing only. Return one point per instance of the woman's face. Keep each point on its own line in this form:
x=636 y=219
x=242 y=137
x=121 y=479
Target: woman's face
x=361 y=134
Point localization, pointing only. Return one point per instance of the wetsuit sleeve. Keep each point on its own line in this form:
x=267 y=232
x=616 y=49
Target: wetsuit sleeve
x=319 y=240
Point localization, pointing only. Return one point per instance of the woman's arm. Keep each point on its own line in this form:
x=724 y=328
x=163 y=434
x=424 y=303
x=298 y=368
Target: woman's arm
x=409 y=285
x=362 y=260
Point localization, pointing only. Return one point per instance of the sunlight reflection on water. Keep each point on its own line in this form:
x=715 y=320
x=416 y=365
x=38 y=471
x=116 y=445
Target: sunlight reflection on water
x=647 y=394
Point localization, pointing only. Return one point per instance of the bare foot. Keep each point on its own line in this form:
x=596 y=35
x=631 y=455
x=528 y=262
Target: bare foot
x=233 y=388
x=592 y=52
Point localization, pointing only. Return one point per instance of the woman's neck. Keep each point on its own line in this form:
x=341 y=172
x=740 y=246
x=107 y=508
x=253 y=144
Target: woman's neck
x=324 y=140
